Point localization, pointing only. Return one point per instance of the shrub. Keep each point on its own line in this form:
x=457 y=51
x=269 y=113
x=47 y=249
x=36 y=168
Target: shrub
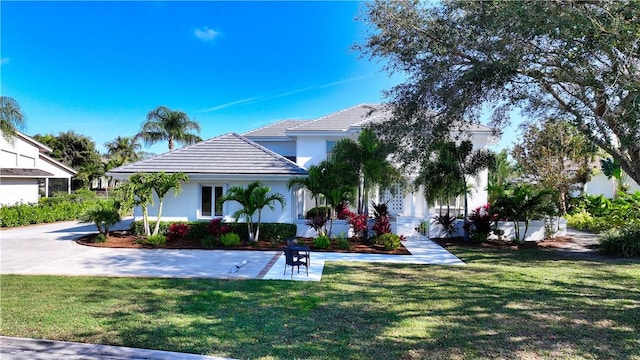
x=137 y=227
x=625 y=242
x=324 y=211
x=100 y=238
x=423 y=229
x=322 y=242
x=59 y=208
x=389 y=241
x=156 y=240
x=210 y=241
x=218 y=228
x=317 y=223
x=105 y=214
x=381 y=213
x=479 y=225
x=277 y=232
x=446 y=221
x=357 y=221
x=197 y=230
x=177 y=231
x=230 y=239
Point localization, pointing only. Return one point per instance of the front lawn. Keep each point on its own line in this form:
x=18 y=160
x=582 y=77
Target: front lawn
x=505 y=304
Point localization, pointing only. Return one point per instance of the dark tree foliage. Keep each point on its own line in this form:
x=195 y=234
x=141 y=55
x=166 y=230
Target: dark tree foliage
x=570 y=60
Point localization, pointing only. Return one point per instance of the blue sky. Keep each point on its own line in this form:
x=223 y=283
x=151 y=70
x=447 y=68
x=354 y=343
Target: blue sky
x=99 y=67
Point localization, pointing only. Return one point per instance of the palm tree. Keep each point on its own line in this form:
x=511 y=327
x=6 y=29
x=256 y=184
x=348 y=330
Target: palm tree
x=123 y=149
x=312 y=183
x=253 y=198
x=368 y=158
x=452 y=165
x=11 y=117
x=166 y=124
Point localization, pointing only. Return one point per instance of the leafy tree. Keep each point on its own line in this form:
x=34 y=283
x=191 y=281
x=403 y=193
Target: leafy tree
x=11 y=117
x=171 y=125
x=577 y=61
x=76 y=151
x=611 y=169
x=556 y=156
x=368 y=158
x=253 y=198
x=123 y=150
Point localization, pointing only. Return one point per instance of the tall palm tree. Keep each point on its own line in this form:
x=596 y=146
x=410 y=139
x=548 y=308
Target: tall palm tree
x=449 y=170
x=11 y=117
x=171 y=125
x=368 y=158
x=253 y=198
x=123 y=149
x=312 y=183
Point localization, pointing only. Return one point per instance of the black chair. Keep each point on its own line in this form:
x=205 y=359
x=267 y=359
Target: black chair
x=300 y=252
x=292 y=260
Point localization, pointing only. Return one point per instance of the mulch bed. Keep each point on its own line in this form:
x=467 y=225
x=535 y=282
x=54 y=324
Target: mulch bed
x=123 y=239
x=560 y=242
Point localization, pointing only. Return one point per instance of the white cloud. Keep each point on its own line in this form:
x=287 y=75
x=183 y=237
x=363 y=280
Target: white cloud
x=243 y=101
x=206 y=34
x=4 y=61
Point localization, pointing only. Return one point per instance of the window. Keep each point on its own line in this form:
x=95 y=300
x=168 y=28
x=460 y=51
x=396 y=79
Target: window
x=331 y=144
x=209 y=200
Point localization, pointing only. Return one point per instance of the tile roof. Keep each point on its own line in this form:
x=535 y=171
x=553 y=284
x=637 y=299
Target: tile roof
x=343 y=120
x=275 y=130
x=228 y=154
x=20 y=172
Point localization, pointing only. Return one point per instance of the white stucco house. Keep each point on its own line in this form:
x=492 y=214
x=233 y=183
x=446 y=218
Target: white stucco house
x=26 y=173
x=274 y=154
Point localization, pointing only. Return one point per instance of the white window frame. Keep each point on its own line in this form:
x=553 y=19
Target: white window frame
x=214 y=200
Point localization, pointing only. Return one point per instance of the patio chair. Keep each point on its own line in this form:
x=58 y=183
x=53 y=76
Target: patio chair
x=291 y=260
x=300 y=255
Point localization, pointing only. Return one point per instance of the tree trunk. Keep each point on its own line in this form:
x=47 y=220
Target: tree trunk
x=157 y=227
x=145 y=220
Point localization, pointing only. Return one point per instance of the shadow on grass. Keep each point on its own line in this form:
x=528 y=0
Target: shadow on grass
x=503 y=306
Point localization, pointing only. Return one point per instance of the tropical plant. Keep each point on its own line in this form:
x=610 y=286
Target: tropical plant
x=253 y=199
x=104 y=215
x=381 y=215
x=230 y=239
x=11 y=117
x=318 y=224
x=177 y=231
x=157 y=240
x=460 y=162
x=523 y=203
x=123 y=150
x=575 y=60
x=623 y=242
x=367 y=161
x=447 y=222
x=312 y=183
x=138 y=191
x=322 y=242
x=389 y=241
x=161 y=183
x=501 y=174
x=479 y=225
x=171 y=125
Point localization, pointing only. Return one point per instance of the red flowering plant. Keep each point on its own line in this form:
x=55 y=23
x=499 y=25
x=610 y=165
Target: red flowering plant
x=381 y=213
x=217 y=228
x=177 y=231
x=479 y=224
x=357 y=221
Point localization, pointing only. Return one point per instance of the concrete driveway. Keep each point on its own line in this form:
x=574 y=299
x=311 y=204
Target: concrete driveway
x=50 y=249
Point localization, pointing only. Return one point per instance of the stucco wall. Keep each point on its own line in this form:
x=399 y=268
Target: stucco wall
x=186 y=206
x=14 y=191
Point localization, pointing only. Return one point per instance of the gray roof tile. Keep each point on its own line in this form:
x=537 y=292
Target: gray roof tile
x=355 y=116
x=228 y=154
x=21 y=172
x=275 y=130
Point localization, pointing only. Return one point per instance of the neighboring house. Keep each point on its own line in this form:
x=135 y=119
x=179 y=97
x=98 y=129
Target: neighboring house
x=600 y=185
x=273 y=154
x=26 y=173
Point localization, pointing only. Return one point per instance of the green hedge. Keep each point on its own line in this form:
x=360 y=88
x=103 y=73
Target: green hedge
x=321 y=210
x=62 y=208
x=198 y=229
x=625 y=242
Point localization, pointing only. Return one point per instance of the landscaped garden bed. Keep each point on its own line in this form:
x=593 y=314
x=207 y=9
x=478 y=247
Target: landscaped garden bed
x=124 y=239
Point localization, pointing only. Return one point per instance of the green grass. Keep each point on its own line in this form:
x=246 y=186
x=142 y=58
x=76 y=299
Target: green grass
x=504 y=304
